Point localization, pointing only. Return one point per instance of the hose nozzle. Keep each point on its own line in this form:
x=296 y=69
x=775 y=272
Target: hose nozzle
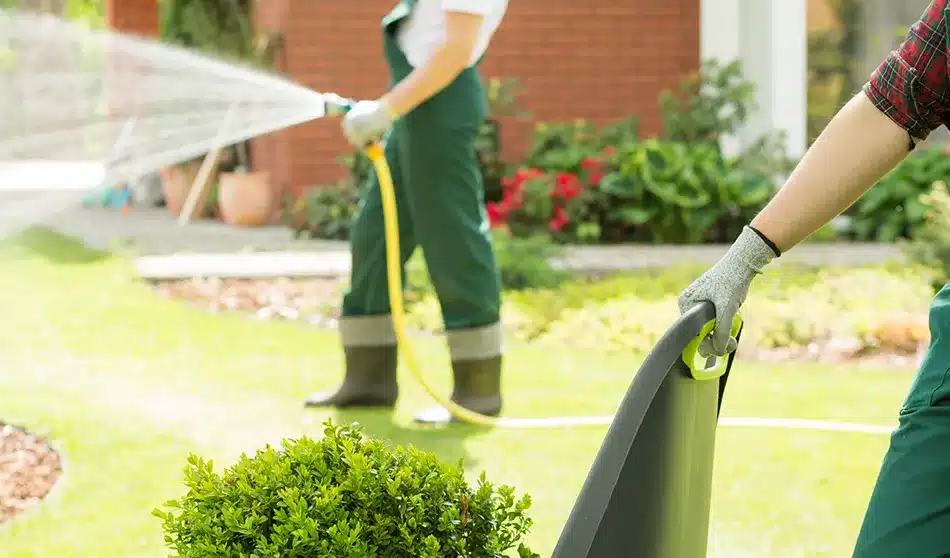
x=336 y=105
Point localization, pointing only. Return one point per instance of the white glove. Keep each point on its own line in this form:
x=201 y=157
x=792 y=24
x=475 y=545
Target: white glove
x=726 y=286
x=367 y=123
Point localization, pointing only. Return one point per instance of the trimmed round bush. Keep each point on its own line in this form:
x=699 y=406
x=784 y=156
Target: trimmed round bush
x=344 y=496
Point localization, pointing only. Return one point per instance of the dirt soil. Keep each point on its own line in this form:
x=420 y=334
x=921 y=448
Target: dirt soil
x=314 y=301
x=29 y=468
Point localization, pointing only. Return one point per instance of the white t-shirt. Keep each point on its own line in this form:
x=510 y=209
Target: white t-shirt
x=424 y=30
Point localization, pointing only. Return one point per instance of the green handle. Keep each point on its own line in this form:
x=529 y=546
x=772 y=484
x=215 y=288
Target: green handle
x=697 y=365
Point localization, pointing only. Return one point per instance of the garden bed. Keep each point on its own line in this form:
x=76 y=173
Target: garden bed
x=29 y=469
x=864 y=315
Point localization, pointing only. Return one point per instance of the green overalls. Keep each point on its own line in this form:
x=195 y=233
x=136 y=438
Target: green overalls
x=909 y=512
x=440 y=202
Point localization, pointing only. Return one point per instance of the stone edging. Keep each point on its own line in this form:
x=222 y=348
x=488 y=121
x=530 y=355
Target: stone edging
x=584 y=259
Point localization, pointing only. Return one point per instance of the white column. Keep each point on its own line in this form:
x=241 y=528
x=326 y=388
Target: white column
x=719 y=36
x=770 y=37
x=789 y=95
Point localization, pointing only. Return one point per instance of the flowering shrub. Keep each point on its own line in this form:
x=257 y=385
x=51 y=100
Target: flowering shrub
x=647 y=191
x=562 y=204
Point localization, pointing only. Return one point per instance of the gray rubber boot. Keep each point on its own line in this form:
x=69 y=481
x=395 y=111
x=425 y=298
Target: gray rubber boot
x=477 y=388
x=370 y=380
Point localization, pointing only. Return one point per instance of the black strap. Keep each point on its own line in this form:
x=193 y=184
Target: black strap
x=725 y=376
x=766 y=240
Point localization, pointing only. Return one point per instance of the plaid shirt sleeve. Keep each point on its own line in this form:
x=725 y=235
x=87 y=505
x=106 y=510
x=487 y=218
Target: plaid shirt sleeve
x=911 y=86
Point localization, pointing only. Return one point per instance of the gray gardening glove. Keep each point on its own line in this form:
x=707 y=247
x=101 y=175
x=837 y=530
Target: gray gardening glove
x=726 y=285
x=367 y=123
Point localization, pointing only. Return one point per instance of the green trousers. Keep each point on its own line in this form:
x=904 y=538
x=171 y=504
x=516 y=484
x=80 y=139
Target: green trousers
x=909 y=512
x=440 y=201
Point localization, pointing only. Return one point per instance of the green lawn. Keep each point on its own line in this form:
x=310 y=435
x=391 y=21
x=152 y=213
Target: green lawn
x=130 y=384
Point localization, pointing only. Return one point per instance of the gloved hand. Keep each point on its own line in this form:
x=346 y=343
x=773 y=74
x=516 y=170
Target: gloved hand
x=726 y=286
x=367 y=122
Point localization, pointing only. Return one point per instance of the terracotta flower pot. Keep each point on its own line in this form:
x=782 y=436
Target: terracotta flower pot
x=176 y=182
x=246 y=199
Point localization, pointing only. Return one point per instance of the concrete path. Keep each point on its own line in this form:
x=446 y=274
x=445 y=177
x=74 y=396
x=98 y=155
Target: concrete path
x=590 y=259
x=210 y=248
x=156 y=232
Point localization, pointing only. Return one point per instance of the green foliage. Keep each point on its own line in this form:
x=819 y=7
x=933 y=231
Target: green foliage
x=856 y=305
x=526 y=263
x=710 y=104
x=503 y=99
x=212 y=26
x=343 y=496
x=681 y=193
x=676 y=189
x=564 y=146
x=523 y=263
x=491 y=164
x=827 y=233
x=893 y=208
x=790 y=308
x=714 y=103
x=930 y=246
x=833 y=63
x=324 y=212
x=827 y=74
x=222 y=28
x=359 y=169
x=647 y=191
x=89 y=12
x=766 y=156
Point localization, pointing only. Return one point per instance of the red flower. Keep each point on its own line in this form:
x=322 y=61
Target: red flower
x=610 y=151
x=496 y=214
x=567 y=187
x=560 y=219
x=523 y=175
x=595 y=171
x=529 y=174
x=595 y=177
x=590 y=164
x=511 y=199
x=513 y=185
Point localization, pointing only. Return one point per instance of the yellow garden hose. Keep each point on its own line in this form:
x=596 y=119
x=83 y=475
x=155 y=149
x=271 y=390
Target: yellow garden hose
x=397 y=307
x=396 y=301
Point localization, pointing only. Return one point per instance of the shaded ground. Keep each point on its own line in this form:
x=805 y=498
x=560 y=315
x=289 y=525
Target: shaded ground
x=29 y=468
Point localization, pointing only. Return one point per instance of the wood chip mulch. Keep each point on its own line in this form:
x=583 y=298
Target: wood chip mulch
x=29 y=468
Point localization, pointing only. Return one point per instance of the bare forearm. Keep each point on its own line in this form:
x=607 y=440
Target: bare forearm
x=857 y=148
x=435 y=75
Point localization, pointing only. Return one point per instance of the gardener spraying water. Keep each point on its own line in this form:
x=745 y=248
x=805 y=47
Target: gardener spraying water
x=429 y=120
x=907 y=97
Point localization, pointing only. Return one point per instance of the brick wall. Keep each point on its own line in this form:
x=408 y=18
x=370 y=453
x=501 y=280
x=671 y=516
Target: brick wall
x=136 y=17
x=597 y=59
